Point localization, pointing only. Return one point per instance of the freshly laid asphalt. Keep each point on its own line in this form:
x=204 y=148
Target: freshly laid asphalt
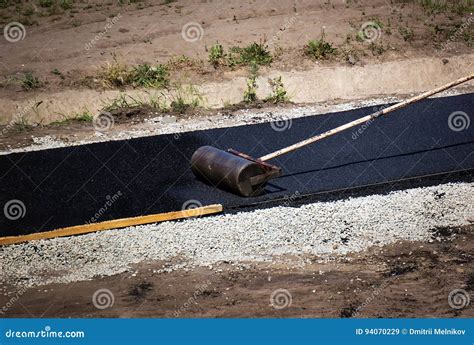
x=97 y=182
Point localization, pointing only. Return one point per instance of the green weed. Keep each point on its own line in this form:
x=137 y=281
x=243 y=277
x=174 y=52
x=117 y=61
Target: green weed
x=319 y=49
x=440 y=6
x=30 y=82
x=183 y=61
x=149 y=76
x=377 y=49
x=184 y=98
x=279 y=93
x=66 y=4
x=21 y=124
x=250 y=94
x=406 y=33
x=46 y=3
x=254 y=53
x=83 y=116
x=114 y=74
x=216 y=54
x=122 y=101
x=57 y=72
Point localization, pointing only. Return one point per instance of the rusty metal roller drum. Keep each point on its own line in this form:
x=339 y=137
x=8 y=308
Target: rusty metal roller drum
x=230 y=171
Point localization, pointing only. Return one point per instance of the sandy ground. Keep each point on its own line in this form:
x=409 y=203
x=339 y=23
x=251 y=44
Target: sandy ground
x=439 y=49
x=402 y=279
x=340 y=83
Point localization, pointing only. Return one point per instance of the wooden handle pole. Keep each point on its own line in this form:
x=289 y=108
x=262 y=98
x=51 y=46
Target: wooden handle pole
x=364 y=119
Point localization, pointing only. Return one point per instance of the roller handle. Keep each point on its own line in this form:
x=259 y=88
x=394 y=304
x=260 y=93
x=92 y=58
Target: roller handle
x=364 y=119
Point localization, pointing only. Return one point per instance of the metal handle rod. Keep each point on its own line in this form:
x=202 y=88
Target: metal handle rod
x=364 y=119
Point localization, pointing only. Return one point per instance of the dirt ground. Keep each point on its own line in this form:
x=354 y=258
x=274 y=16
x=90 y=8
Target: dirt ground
x=415 y=48
x=65 y=49
x=400 y=280
x=150 y=31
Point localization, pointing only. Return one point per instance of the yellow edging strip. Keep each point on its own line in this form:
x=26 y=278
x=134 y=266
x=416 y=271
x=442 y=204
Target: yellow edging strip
x=113 y=224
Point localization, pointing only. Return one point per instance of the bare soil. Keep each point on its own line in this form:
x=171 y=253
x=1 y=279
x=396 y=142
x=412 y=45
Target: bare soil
x=400 y=280
x=416 y=48
x=151 y=32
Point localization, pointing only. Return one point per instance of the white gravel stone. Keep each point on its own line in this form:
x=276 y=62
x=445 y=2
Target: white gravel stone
x=324 y=229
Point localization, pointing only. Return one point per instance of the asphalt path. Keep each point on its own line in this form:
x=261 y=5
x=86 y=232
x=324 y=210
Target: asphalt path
x=102 y=181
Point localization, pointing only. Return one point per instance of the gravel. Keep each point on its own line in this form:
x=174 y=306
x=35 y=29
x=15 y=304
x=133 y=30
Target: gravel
x=323 y=230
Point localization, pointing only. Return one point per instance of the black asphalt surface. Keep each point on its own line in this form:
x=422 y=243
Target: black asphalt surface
x=69 y=186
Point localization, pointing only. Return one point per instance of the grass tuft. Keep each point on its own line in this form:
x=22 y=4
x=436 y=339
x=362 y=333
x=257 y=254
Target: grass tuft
x=185 y=98
x=182 y=61
x=114 y=74
x=83 y=116
x=21 y=124
x=250 y=95
x=406 y=33
x=320 y=49
x=254 y=53
x=442 y=6
x=46 y=3
x=66 y=4
x=117 y=74
x=279 y=93
x=149 y=76
x=30 y=82
x=216 y=55
x=123 y=101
